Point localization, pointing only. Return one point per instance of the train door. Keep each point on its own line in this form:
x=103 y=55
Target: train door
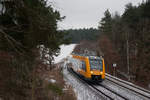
x=83 y=68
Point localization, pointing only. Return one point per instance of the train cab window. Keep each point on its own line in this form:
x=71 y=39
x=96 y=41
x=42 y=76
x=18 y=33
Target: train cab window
x=83 y=65
x=96 y=64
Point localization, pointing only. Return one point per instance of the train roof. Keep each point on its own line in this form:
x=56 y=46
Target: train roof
x=94 y=57
x=88 y=56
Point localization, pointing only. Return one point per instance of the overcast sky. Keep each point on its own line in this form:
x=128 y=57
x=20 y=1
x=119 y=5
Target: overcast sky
x=87 y=13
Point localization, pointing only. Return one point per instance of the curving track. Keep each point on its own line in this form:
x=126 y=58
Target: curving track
x=100 y=89
x=141 y=92
x=98 y=92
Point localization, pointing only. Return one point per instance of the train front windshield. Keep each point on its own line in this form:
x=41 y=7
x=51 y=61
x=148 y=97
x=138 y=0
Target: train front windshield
x=96 y=64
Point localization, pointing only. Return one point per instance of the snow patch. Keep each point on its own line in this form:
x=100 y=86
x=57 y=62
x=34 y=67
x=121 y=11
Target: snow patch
x=65 y=51
x=51 y=80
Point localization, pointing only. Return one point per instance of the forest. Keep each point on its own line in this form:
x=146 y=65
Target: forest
x=24 y=26
x=125 y=40
x=77 y=35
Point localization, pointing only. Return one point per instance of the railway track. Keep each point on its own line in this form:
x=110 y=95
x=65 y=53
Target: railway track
x=100 y=88
x=119 y=96
x=133 y=88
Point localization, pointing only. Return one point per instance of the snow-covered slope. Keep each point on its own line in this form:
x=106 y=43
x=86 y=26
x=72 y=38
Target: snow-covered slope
x=65 y=50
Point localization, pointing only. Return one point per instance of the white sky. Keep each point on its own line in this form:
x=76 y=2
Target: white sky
x=87 y=13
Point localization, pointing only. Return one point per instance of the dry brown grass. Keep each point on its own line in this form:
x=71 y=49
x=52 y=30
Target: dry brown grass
x=58 y=90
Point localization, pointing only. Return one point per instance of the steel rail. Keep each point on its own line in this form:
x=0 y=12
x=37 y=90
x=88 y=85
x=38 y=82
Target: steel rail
x=138 y=88
x=79 y=78
x=99 y=84
x=91 y=84
x=114 y=92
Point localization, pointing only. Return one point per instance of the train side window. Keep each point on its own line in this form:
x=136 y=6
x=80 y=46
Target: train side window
x=83 y=65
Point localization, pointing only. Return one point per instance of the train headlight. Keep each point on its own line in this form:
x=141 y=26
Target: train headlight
x=91 y=72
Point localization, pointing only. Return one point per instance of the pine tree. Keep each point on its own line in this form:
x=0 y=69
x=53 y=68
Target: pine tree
x=25 y=24
x=106 y=23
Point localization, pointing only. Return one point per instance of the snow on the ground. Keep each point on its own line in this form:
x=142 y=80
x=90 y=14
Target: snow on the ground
x=125 y=92
x=81 y=90
x=131 y=86
x=50 y=80
x=65 y=50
